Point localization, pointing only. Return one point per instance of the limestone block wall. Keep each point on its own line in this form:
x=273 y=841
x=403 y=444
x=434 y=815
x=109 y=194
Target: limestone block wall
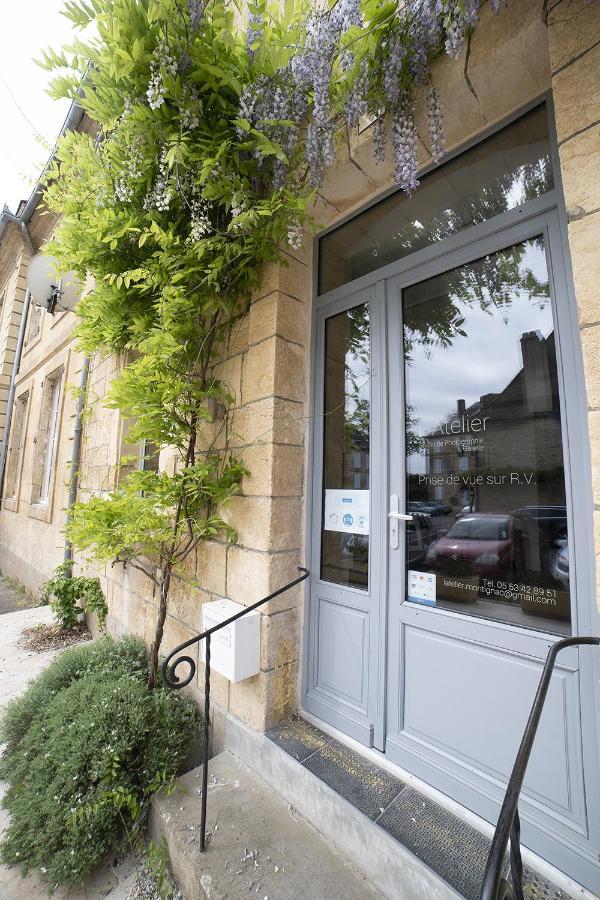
x=32 y=539
x=265 y=366
x=574 y=40
x=31 y=534
x=103 y=445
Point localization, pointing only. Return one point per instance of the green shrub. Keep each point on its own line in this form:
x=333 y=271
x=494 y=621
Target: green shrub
x=71 y=595
x=87 y=745
x=103 y=658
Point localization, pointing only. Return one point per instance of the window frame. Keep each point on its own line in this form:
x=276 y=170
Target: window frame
x=11 y=497
x=48 y=432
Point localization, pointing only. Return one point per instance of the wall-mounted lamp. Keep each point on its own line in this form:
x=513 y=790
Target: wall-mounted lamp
x=50 y=288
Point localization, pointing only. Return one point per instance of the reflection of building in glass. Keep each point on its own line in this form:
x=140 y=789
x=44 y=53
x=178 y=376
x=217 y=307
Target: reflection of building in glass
x=494 y=479
x=504 y=451
x=346 y=437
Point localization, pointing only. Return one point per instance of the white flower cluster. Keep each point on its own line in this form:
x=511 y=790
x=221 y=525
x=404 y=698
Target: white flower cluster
x=123 y=189
x=238 y=206
x=125 y=181
x=295 y=236
x=200 y=224
x=160 y=196
x=189 y=118
x=162 y=64
x=190 y=108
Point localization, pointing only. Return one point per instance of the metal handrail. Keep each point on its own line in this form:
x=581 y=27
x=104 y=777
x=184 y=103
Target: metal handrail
x=171 y=679
x=508 y=825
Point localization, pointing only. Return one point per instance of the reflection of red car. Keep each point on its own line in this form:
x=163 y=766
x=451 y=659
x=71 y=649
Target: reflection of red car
x=478 y=542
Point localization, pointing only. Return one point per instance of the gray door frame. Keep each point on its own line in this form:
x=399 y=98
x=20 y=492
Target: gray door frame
x=540 y=830
x=367 y=727
x=364 y=719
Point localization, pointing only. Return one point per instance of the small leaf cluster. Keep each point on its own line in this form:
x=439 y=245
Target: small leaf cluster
x=86 y=747
x=138 y=519
x=71 y=596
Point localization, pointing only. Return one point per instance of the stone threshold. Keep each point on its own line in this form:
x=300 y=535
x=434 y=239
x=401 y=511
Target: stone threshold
x=448 y=846
x=257 y=846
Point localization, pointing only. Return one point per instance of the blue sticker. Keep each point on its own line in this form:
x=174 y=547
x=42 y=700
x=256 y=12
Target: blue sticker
x=348 y=520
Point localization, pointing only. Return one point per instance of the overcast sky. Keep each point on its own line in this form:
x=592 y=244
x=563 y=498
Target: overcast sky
x=27 y=27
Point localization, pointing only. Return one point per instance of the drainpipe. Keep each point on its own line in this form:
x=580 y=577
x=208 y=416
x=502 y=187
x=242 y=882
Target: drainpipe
x=76 y=452
x=11 y=391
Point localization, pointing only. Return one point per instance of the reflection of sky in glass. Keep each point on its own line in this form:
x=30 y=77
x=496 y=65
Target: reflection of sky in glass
x=357 y=382
x=483 y=362
x=500 y=173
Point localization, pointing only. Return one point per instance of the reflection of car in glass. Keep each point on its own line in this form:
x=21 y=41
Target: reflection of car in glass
x=478 y=542
x=537 y=530
x=433 y=508
x=464 y=511
x=560 y=566
x=416 y=506
x=421 y=533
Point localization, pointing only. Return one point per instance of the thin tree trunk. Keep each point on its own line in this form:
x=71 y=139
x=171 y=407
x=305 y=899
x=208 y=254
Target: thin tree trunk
x=160 y=624
x=167 y=567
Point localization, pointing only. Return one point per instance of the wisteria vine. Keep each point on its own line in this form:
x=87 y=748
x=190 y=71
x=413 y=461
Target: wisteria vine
x=350 y=64
x=297 y=84
x=330 y=81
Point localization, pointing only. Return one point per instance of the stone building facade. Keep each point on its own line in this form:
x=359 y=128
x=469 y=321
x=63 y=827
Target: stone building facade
x=534 y=51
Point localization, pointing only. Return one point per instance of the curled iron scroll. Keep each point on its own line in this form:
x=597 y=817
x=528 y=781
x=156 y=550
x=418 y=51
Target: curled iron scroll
x=169 y=669
x=171 y=663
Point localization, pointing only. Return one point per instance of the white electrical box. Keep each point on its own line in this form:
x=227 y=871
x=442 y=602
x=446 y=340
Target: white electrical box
x=235 y=649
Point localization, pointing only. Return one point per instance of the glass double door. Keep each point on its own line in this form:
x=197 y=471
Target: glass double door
x=445 y=535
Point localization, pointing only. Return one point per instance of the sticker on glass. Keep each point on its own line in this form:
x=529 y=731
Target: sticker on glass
x=347 y=511
x=421 y=587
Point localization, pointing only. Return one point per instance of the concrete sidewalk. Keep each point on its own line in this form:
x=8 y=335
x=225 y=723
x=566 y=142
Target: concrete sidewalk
x=17 y=668
x=13 y=598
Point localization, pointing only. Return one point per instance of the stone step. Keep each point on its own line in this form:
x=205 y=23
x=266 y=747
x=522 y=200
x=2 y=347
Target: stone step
x=258 y=844
x=406 y=844
x=388 y=865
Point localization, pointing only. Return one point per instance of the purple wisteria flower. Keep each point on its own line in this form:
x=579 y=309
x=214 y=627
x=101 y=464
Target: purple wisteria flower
x=356 y=101
x=379 y=138
x=425 y=35
x=393 y=68
x=461 y=18
x=404 y=140
x=435 y=125
x=195 y=8
x=254 y=32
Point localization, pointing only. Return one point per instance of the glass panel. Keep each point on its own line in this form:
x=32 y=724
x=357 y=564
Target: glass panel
x=50 y=442
x=485 y=474
x=345 y=537
x=498 y=174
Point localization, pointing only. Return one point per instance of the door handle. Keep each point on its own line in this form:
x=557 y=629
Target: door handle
x=395 y=516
